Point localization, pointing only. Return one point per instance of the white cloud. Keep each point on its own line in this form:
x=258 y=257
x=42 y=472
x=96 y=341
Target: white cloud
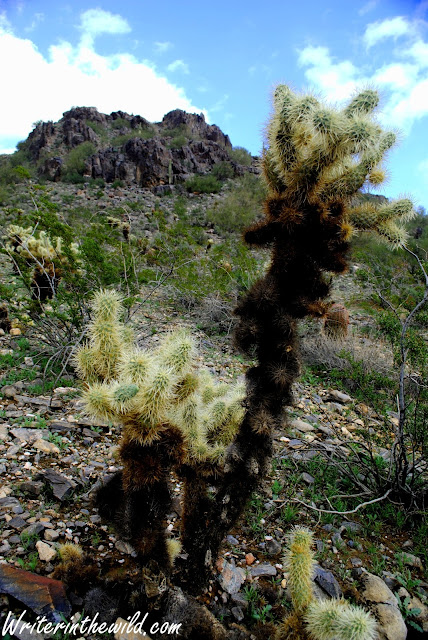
x=337 y=80
x=396 y=75
x=403 y=81
x=162 y=47
x=389 y=28
x=419 y=52
x=178 y=65
x=46 y=86
x=97 y=21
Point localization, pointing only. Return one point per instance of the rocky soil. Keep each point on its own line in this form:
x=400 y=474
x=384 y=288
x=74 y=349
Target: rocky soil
x=51 y=457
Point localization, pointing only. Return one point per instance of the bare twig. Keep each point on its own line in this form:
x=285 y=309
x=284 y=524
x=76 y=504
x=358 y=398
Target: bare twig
x=343 y=513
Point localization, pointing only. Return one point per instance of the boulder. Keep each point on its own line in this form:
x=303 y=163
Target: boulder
x=377 y=596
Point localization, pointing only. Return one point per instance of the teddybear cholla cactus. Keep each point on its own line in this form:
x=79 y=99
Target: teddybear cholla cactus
x=174 y=415
x=47 y=256
x=320 y=157
x=318 y=620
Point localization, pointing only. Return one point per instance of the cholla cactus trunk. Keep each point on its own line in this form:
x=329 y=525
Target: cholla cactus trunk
x=45 y=282
x=138 y=498
x=316 y=161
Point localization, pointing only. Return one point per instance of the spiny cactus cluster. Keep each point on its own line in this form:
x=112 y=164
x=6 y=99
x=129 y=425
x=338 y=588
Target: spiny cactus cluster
x=173 y=413
x=318 y=620
x=320 y=157
x=47 y=256
x=145 y=390
x=123 y=225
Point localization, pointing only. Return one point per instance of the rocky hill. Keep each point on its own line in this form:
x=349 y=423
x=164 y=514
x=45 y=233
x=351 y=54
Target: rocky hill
x=125 y=147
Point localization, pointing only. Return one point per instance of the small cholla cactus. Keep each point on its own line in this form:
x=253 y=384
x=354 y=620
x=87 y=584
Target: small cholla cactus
x=47 y=256
x=124 y=225
x=173 y=413
x=299 y=562
x=338 y=620
x=336 y=321
x=318 y=620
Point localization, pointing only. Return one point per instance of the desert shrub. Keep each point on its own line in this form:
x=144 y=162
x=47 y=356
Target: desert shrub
x=11 y=171
x=181 y=130
x=203 y=184
x=222 y=170
x=120 y=123
x=73 y=177
x=97 y=183
x=178 y=141
x=75 y=162
x=215 y=315
x=241 y=205
x=241 y=156
x=363 y=366
x=120 y=140
x=97 y=127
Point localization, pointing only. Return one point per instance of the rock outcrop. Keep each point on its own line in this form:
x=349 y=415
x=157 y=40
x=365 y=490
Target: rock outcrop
x=129 y=147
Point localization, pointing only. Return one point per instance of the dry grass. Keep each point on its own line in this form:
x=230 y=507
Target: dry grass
x=320 y=350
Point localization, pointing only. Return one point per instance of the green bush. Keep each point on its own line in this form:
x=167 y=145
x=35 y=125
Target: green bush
x=181 y=130
x=241 y=206
x=203 y=184
x=98 y=128
x=76 y=158
x=73 y=177
x=97 y=183
x=222 y=170
x=14 y=168
x=118 y=141
x=178 y=142
x=241 y=156
x=121 y=123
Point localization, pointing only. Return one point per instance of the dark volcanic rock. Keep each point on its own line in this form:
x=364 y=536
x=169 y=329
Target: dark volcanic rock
x=60 y=485
x=148 y=160
x=327 y=582
x=51 y=169
x=41 y=138
x=195 y=126
x=43 y=595
x=76 y=131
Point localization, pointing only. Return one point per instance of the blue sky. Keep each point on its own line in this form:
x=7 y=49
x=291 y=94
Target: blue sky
x=223 y=59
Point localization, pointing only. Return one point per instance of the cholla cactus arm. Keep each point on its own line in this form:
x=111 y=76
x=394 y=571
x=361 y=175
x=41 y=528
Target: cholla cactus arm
x=338 y=620
x=385 y=220
x=299 y=562
x=177 y=351
x=318 y=156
